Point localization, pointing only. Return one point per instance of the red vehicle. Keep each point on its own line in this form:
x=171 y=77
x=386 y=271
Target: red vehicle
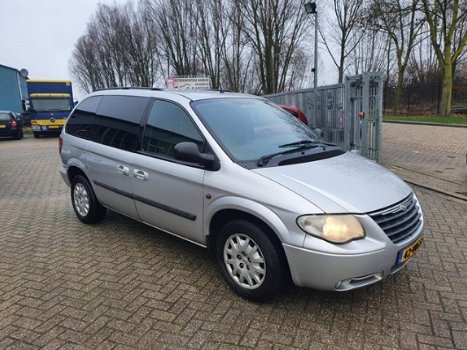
x=297 y=113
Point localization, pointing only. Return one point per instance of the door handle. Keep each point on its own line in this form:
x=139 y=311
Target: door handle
x=140 y=174
x=122 y=169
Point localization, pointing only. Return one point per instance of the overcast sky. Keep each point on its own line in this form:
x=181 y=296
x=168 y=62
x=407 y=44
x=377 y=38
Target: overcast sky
x=39 y=35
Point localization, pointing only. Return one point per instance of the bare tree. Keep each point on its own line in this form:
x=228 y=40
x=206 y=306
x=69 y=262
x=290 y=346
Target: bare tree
x=117 y=49
x=398 y=19
x=83 y=65
x=444 y=17
x=274 y=29
x=212 y=36
x=243 y=45
x=175 y=23
x=372 y=52
x=237 y=59
x=140 y=49
x=423 y=67
x=341 y=31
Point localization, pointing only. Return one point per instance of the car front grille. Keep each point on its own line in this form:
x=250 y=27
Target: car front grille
x=399 y=221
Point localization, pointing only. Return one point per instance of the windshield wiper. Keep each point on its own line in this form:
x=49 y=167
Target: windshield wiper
x=301 y=144
x=297 y=146
x=262 y=161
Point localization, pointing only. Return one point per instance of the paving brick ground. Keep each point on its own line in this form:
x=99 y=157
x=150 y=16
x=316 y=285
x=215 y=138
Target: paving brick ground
x=121 y=284
x=428 y=155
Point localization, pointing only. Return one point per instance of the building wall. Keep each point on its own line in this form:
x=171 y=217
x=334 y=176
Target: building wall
x=12 y=89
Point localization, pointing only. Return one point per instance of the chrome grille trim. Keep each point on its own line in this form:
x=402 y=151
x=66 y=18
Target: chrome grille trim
x=401 y=220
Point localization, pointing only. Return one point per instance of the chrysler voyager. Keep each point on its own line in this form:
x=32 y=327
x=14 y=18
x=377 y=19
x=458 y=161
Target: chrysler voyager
x=240 y=176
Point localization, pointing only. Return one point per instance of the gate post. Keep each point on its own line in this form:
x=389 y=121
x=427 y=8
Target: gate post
x=364 y=121
x=347 y=115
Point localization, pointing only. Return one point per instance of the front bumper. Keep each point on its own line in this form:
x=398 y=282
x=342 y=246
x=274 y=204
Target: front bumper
x=47 y=128
x=9 y=132
x=325 y=270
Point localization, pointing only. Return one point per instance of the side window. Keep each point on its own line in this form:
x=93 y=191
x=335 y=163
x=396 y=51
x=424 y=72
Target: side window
x=125 y=108
x=119 y=119
x=83 y=117
x=167 y=125
x=110 y=120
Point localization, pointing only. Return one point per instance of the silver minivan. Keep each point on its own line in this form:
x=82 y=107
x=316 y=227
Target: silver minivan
x=240 y=176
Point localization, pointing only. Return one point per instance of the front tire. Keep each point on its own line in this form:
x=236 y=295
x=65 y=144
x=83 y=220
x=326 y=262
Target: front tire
x=250 y=262
x=85 y=204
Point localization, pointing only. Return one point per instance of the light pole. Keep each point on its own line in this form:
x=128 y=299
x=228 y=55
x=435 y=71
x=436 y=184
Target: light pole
x=310 y=8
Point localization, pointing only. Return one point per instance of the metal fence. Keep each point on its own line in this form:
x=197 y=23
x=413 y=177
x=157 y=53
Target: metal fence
x=349 y=114
x=423 y=99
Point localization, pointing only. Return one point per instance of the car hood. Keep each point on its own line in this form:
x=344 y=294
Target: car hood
x=345 y=183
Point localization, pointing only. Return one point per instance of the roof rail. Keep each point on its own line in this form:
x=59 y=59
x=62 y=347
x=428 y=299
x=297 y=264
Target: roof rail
x=130 y=87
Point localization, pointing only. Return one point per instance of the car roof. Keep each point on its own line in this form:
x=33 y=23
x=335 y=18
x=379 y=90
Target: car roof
x=190 y=94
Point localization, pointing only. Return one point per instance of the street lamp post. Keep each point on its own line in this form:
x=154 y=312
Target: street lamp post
x=310 y=8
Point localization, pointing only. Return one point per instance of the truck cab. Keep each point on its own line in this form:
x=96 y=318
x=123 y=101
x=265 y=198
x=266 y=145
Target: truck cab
x=50 y=103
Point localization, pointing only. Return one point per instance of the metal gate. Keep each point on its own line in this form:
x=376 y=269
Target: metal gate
x=349 y=114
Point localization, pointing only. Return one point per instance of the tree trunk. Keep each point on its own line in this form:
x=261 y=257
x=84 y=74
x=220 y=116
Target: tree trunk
x=446 y=94
x=399 y=87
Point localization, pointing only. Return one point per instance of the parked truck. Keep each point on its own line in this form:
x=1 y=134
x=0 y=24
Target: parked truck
x=49 y=103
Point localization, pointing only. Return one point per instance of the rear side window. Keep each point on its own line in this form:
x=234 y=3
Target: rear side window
x=114 y=123
x=168 y=124
x=83 y=117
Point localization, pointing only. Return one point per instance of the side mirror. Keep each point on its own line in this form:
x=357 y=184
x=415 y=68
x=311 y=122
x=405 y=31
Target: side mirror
x=189 y=152
x=26 y=105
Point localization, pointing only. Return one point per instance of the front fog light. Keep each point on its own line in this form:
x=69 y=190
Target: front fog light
x=332 y=228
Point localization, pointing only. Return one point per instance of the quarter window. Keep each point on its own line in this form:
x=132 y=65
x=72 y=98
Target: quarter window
x=167 y=125
x=82 y=117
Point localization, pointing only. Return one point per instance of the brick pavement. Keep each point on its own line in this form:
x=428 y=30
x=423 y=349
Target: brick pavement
x=121 y=284
x=432 y=156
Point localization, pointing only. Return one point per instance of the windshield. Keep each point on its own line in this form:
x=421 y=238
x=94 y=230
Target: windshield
x=51 y=104
x=5 y=116
x=250 y=129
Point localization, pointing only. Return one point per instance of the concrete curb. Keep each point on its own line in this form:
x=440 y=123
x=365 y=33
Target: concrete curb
x=425 y=123
x=429 y=182
x=449 y=194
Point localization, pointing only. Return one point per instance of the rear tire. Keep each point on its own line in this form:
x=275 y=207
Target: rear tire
x=85 y=204
x=36 y=135
x=250 y=262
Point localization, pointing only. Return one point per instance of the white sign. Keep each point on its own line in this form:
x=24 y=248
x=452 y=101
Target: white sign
x=188 y=83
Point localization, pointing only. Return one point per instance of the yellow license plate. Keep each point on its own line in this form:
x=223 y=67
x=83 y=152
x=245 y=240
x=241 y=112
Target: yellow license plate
x=408 y=253
x=2 y=126
x=53 y=127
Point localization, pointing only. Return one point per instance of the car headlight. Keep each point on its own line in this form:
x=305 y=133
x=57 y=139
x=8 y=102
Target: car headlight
x=332 y=228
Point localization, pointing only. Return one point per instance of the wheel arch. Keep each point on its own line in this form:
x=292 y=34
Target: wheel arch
x=228 y=209
x=73 y=171
x=221 y=217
